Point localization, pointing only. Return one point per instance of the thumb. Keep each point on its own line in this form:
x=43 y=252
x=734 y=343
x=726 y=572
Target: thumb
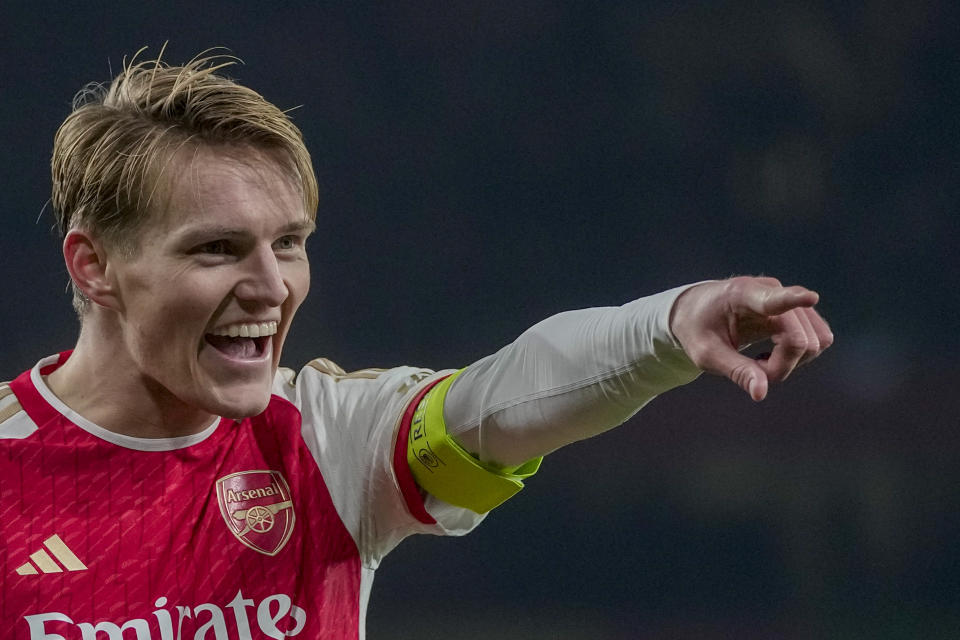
x=741 y=370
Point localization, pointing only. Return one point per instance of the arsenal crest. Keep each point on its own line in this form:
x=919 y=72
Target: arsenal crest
x=257 y=508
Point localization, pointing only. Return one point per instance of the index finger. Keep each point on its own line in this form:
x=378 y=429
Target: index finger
x=773 y=301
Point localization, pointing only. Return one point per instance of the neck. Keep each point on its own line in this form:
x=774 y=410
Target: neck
x=96 y=382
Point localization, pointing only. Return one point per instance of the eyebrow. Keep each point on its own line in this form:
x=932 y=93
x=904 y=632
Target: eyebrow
x=306 y=227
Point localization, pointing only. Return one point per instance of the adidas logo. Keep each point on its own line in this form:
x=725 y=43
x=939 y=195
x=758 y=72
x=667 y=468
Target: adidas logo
x=45 y=564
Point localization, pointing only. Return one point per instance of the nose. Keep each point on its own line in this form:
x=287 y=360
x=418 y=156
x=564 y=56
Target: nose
x=262 y=282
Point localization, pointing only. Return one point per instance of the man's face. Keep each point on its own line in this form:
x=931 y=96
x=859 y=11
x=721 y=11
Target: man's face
x=207 y=298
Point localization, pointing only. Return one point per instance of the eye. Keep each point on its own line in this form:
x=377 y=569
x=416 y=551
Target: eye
x=287 y=243
x=217 y=247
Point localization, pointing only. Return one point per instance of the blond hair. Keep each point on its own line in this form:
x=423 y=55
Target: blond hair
x=110 y=154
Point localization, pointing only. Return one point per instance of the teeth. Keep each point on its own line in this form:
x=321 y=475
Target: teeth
x=252 y=330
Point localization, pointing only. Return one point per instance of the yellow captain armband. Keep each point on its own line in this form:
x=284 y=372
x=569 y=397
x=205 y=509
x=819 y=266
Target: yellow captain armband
x=447 y=471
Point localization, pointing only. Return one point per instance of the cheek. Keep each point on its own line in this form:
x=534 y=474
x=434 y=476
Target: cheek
x=168 y=327
x=298 y=284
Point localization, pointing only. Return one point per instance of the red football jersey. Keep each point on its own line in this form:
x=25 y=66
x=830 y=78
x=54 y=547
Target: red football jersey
x=267 y=527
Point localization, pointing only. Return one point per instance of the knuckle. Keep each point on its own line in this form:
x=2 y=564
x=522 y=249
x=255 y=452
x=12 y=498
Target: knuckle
x=733 y=286
x=796 y=342
x=740 y=374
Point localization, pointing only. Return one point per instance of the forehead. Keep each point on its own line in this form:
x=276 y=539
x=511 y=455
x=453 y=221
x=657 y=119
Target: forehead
x=225 y=184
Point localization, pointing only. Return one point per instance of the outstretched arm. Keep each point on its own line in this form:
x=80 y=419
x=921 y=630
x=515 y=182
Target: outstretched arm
x=583 y=372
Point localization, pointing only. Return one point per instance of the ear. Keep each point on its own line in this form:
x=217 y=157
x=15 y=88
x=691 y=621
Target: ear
x=86 y=260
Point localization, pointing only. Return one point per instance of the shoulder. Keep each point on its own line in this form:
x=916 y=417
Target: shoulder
x=14 y=422
x=326 y=376
x=9 y=405
x=336 y=373
x=324 y=392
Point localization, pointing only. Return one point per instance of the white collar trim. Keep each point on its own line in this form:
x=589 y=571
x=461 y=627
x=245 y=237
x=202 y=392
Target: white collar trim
x=127 y=442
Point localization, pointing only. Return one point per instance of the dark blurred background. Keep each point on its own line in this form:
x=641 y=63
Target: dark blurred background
x=485 y=164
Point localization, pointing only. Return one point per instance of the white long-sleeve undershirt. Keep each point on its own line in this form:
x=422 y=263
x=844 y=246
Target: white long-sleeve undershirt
x=569 y=377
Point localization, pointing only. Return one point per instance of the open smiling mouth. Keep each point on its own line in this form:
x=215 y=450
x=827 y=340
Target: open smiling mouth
x=242 y=341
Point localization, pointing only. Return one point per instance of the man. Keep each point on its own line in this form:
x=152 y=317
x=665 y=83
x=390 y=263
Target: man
x=167 y=479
